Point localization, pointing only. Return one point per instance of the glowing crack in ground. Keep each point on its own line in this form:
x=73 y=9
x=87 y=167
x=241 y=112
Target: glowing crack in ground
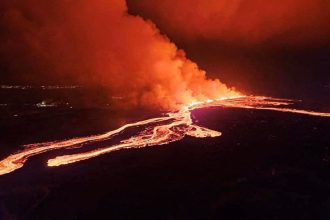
x=156 y=131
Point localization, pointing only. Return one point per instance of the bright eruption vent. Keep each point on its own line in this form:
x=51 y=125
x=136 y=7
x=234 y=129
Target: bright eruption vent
x=97 y=43
x=156 y=131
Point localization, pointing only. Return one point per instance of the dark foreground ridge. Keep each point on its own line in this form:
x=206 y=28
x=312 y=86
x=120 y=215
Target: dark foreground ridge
x=266 y=165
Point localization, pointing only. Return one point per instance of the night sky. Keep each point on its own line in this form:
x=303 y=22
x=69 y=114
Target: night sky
x=278 y=48
x=85 y=70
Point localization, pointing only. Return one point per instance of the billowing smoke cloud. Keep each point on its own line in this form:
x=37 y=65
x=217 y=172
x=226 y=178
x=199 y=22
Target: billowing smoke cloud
x=250 y=22
x=99 y=43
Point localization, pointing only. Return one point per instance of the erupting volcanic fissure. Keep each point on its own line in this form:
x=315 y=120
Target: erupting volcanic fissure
x=98 y=44
x=156 y=131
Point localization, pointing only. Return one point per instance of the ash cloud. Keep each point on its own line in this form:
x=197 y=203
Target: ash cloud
x=244 y=22
x=98 y=43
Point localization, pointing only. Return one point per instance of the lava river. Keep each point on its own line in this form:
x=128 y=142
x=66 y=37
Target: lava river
x=156 y=131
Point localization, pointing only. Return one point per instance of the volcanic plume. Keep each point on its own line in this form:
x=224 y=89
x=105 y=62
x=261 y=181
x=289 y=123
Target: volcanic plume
x=245 y=22
x=98 y=43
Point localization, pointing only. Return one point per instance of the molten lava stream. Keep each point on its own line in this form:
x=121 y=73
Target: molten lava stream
x=159 y=131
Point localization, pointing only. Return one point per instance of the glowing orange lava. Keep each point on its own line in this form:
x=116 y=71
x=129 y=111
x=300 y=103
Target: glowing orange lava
x=156 y=131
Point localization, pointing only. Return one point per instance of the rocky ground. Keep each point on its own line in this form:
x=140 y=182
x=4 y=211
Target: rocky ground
x=266 y=165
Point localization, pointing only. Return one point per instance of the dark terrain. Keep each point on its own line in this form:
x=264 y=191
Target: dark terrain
x=266 y=165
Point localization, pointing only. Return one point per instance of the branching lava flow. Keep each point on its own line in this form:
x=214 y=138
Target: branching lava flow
x=156 y=131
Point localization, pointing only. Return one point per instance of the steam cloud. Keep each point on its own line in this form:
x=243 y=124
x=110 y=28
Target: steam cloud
x=99 y=43
x=285 y=22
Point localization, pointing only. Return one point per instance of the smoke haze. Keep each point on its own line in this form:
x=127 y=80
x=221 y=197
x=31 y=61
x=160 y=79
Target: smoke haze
x=98 y=43
x=281 y=22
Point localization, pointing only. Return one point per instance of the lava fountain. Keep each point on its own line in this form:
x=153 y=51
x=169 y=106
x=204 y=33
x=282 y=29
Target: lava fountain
x=155 y=131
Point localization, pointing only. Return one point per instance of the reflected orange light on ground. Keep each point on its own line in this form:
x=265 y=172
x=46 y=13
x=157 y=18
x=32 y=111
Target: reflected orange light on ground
x=156 y=131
